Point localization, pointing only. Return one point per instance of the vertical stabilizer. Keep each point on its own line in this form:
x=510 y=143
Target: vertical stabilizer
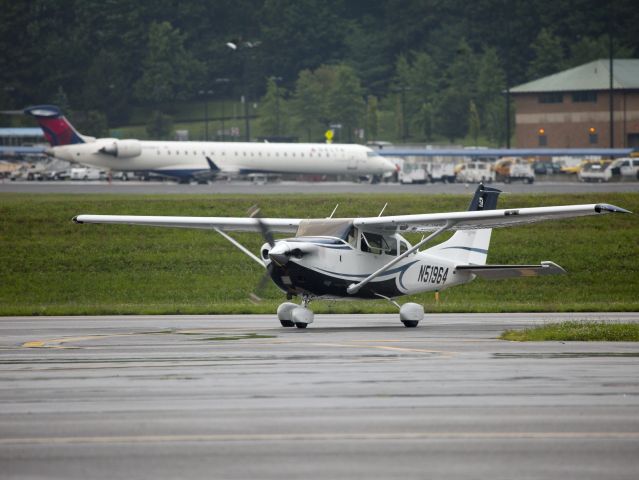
x=471 y=246
x=57 y=129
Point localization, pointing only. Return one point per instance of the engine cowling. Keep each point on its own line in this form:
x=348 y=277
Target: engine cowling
x=122 y=148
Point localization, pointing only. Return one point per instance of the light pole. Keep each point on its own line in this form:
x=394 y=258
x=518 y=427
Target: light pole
x=205 y=94
x=221 y=81
x=237 y=47
x=277 y=104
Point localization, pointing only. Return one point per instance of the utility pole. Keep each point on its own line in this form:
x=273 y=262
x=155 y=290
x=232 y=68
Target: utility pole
x=611 y=95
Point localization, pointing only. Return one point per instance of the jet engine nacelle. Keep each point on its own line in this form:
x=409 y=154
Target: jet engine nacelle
x=122 y=148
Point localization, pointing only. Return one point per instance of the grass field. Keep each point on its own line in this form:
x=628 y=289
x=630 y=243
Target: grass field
x=48 y=265
x=576 y=332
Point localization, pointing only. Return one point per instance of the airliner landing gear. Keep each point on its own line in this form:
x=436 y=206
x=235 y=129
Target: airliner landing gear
x=291 y=314
x=411 y=314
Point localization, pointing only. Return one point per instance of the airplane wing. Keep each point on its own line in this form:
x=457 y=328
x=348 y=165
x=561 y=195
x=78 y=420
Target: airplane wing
x=470 y=220
x=8 y=150
x=498 y=272
x=236 y=224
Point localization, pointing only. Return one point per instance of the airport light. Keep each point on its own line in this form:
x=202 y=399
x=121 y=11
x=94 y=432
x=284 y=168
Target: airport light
x=542 y=137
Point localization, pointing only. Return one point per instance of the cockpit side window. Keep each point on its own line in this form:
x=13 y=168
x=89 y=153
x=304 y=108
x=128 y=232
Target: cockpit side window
x=377 y=244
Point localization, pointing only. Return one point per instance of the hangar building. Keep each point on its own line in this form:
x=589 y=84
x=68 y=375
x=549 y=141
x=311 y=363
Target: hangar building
x=570 y=109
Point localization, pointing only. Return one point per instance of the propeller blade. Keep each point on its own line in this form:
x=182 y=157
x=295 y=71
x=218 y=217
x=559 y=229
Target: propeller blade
x=256 y=296
x=254 y=212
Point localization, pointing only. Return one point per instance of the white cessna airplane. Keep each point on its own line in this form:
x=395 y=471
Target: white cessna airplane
x=367 y=258
x=185 y=160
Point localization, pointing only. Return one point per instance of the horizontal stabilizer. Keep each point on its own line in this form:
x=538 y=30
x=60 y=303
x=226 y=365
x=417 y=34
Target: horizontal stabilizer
x=497 y=272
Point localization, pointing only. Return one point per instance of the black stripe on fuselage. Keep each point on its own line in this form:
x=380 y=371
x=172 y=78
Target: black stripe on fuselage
x=301 y=280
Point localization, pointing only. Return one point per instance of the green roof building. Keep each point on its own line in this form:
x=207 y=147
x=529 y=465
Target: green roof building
x=571 y=109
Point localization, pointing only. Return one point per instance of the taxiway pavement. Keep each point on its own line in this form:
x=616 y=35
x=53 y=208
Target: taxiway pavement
x=238 y=187
x=352 y=396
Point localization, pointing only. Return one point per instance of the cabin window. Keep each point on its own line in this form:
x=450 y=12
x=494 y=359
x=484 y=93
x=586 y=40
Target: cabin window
x=375 y=243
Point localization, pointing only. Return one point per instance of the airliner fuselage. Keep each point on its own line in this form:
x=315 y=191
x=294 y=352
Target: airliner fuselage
x=185 y=159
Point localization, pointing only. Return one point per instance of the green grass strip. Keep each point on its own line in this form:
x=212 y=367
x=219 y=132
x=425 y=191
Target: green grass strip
x=574 y=331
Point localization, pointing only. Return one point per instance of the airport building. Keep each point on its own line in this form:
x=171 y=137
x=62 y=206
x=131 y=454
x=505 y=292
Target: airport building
x=571 y=109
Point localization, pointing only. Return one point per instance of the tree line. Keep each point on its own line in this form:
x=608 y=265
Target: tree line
x=422 y=68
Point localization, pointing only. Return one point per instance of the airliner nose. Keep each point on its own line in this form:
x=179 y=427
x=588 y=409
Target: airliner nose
x=389 y=166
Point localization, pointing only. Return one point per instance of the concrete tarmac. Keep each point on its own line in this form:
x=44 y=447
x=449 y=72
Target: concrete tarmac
x=238 y=187
x=352 y=396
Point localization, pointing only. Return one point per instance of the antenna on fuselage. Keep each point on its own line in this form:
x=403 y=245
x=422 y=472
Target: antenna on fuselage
x=334 y=210
x=384 y=208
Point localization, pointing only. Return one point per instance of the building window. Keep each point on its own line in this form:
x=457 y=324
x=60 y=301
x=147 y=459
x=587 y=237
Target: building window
x=551 y=97
x=584 y=97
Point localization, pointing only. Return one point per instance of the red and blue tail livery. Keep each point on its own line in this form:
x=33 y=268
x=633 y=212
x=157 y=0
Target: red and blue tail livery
x=56 y=128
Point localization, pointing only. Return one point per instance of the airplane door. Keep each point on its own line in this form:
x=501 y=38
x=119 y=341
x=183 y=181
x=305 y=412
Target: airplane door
x=352 y=161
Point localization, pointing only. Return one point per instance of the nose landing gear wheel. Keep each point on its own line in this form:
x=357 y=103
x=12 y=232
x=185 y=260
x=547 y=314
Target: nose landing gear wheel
x=410 y=314
x=410 y=323
x=301 y=325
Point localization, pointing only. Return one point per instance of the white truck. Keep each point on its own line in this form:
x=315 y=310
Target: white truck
x=510 y=169
x=620 y=169
x=442 y=172
x=412 y=173
x=86 y=173
x=475 y=172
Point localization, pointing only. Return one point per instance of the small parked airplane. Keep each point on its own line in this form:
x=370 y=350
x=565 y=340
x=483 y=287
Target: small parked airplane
x=204 y=160
x=367 y=258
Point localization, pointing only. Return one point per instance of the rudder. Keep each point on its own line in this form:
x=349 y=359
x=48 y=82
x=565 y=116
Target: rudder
x=471 y=246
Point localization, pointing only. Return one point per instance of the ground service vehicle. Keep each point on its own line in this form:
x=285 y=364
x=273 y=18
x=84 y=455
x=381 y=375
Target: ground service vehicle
x=475 y=172
x=510 y=169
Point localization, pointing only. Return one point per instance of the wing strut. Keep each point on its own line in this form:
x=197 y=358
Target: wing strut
x=353 y=288
x=240 y=246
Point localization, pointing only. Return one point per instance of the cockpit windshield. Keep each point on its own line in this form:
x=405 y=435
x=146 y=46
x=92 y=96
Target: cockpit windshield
x=325 y=227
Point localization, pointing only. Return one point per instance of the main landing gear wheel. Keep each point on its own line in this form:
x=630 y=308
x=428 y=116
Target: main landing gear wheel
x=411 y=314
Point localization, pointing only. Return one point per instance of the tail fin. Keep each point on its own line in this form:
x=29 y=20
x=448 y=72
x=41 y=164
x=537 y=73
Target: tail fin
x=471 y=246
x=56 y=128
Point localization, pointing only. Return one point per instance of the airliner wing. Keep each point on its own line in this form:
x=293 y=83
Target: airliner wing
x=469 y=220
x=237 y=224
x=8 y=150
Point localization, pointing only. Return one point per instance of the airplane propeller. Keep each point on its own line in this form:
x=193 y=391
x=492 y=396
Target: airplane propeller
x=256 y=295
x=254 y=212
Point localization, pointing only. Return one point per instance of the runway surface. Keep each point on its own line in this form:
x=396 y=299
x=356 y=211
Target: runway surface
x=352 y=396
x=237 y=187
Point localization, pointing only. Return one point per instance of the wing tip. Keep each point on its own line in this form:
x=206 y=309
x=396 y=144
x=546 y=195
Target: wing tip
x=606 y=207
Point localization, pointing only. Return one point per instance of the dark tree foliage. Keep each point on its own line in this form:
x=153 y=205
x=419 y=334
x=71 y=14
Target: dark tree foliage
x=97 y=52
